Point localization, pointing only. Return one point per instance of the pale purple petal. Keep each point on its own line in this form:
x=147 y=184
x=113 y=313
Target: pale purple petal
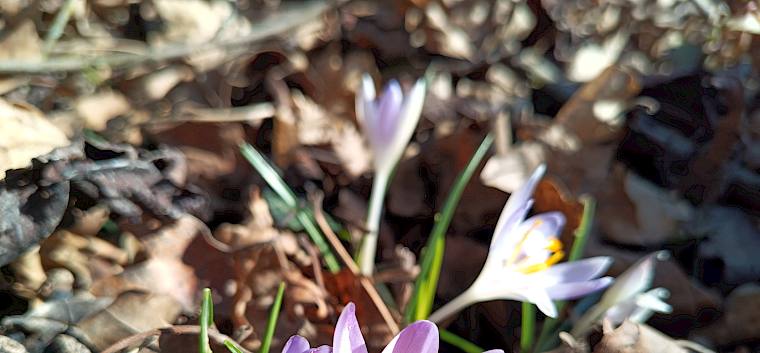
x=504 y=234
x=542 y=300
x=635 y=280
x=494 y=351
x=388 y=113
x=419 y=337
x=348 y=337
x=517 y=204
x=296 y=344
x=365 y=103
x=577 y=271
x=574 y=290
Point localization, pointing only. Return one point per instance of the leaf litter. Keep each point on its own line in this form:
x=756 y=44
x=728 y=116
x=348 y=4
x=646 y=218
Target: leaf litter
x=123 y=191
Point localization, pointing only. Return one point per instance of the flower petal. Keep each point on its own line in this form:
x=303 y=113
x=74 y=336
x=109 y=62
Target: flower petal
x=520 y=197
x=365 y=104
x=388 y=114
x=504 y=234
x=542 y=300
x=635 y=280
x=348 y=337
x=419 y=337
x=577 y=271
x=296 y=344
x=408 y=118
x=494 y=351
x=574 y=290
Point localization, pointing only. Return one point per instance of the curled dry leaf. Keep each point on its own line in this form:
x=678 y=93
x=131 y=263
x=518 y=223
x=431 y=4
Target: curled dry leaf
x=137 y=312
x=33 y=201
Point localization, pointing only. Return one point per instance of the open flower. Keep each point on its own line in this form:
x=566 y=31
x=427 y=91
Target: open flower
x=388 y=122
x=522 y=262
x=419 y=337
x=628 y=298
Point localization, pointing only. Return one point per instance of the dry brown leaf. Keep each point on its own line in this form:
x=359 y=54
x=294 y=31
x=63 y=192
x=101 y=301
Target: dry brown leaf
x=97 y=109
x=22 y=42
x=636 y=338
x=132 y=312
x=645 y=215
x=25 y=134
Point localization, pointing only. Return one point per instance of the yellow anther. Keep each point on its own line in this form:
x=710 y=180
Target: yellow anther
x=556 y=257
x=554 y=245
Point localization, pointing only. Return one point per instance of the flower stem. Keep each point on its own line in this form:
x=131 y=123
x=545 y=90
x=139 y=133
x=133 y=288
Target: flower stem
x=374 y=213
x=527 y=327
x=452 y=307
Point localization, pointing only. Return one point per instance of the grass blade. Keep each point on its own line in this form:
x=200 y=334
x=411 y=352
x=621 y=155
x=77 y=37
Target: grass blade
x=548 y=336
x=274 y=313
x=459 y=342
x=232 y=347
x=273 y=179
x=206 y=321
x=421 y=304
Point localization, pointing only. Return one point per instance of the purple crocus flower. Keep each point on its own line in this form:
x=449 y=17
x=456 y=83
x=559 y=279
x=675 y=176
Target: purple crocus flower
x=419 y=337
x=388 y=123
x=522 y=262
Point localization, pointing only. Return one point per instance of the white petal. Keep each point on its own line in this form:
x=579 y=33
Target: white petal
x=518 y=199
x=365 y=106
x=632 y=282
x=577 y=271
x=542 y=301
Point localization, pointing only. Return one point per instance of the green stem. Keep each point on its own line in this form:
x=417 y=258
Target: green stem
x=206 y=320
x=274 y=313
x=426 y=284
x=547 y=336
x=527 y=329
x=459 y=342
x=374 y=212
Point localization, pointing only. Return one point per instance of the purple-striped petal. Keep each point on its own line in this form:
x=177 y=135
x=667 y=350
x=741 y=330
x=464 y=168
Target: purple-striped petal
x=518 y=203
x=296 y=344
x=419 y=337
x=348 y=337
x=577 y=271
x=388 y=113
x=574 y=290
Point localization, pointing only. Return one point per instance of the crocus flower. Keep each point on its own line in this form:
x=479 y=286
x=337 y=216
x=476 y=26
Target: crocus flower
x=388 y=124
x=419 y=337
x=522 y=262
x=628 y=298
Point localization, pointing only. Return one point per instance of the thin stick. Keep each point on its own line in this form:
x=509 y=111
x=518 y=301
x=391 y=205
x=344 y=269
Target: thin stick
x=343 y=254
x=138 y=338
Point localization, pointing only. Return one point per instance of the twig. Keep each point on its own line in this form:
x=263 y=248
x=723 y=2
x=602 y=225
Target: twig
x=59 y=23
x=138 y=338
x=344 y=256
x=277 y=24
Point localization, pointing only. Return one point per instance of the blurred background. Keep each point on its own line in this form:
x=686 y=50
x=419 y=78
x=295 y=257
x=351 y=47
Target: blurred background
x=124 y=192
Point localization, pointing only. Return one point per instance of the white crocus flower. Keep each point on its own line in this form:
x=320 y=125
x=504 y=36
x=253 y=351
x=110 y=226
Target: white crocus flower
x=629 y=298
x=388 y=123
x=522 y=262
